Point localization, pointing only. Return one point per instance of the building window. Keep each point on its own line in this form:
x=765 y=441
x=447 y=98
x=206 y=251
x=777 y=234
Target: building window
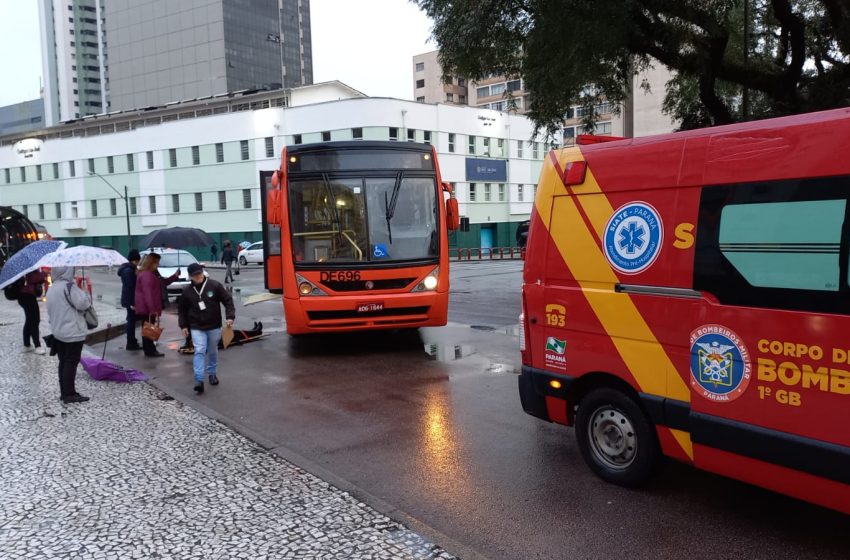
x=133 y=209
x=38 y=173
x=427 y=136
x=296 y=139
x=519 y=149
x=393 y=133
x=131 y=163
x=91 y=165
x=199 y=202
x=150 y=160
x=501 y=144
x=58 y=210
x=75 y=210
x=55 y=170
x=420 y=84
x=520 y=194
x=8 y=175
x=152 y=204
x=222 y=200
x=219 y=153
x=450 y=97
x=535 y=150
x=172 y=157
x=246 y=198
x=110 y=164
x=41 y=211
x=326 y=136
x=243 y=148
x=175 y=203
x=420 y=99
x=113 y=207
x=501 y=192
x=26 y=211
x=471 y=146
x=72 y=168
x=471 y=192
x=269 y=146
x=487 y=147
x=23 y=174
x=483 y=91
x=357 y=133
x=411 y=135
x=420 y=66
x=461 y=82
x=196 y=155
x=94 y=209
x=451 y=142
x=497 y=89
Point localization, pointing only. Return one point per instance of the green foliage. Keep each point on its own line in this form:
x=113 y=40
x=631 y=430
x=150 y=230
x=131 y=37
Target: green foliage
x=795 y=56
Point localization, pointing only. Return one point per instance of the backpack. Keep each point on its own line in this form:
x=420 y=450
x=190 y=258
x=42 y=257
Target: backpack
x=13 y=290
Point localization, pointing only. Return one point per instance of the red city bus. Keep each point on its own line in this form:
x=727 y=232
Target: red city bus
x=689 y=295
x=356 y=236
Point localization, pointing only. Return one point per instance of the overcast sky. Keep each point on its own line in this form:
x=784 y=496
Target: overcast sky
x=367 y=44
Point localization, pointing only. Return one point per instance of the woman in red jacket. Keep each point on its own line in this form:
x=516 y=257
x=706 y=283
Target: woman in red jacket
x=32 y=289
x=148 y=300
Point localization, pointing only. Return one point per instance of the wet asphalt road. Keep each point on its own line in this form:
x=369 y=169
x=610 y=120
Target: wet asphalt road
x=431 y=425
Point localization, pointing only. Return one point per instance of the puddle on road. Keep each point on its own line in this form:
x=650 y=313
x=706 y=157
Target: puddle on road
x=448 y=352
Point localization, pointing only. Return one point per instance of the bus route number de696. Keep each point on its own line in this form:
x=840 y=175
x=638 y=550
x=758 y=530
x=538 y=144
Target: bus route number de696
x=341 y=276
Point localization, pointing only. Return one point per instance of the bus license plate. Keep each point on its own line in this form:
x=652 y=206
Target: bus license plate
x=369 y=307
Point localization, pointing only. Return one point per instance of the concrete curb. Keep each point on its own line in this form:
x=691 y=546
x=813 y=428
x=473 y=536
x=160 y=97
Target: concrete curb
x=440 y=539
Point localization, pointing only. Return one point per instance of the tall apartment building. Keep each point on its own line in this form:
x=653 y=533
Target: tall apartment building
x=161 y=51
x=107 y=55
x=429 y=85
x=73 y=45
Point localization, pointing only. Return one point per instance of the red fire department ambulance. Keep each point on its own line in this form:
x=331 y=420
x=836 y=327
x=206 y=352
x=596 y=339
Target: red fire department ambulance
x=688 y=295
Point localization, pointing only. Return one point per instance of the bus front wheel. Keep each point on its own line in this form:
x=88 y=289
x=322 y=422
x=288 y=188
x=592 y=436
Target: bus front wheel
x=615 y=438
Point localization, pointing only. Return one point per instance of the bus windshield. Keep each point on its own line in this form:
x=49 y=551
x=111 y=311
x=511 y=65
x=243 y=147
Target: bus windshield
x=377 y=219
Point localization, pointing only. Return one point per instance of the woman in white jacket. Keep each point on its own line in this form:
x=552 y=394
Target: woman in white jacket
x=65 y=304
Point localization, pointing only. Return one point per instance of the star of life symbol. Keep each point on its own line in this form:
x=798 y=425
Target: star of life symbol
x=632 y=237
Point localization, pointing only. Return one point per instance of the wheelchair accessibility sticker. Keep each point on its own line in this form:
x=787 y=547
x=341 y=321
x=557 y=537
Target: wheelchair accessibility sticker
x=379 y=251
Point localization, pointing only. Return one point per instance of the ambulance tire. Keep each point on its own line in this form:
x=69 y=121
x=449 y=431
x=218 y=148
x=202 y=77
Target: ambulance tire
x=615 y=438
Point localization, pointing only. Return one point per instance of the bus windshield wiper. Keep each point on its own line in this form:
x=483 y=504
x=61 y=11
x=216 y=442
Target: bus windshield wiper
x=389 y=205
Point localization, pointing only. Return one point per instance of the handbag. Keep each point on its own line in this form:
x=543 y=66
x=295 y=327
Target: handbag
x=151 y=331
x=89 y=315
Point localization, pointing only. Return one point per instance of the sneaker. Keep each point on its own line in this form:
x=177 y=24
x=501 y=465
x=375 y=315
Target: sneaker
x=75 y=398
x=26 y=349
x=213 y=379
x=40 y=350
x=199 y=387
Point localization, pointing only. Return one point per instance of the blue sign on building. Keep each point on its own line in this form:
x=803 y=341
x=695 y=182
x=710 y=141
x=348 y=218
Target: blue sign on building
x=492 y=170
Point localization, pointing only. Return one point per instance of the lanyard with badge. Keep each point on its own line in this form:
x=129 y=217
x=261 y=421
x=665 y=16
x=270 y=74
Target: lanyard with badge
x=201 y=305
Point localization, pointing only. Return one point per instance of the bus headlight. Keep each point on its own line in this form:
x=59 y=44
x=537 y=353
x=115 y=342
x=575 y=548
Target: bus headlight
x=307 y=288
x=429 y=283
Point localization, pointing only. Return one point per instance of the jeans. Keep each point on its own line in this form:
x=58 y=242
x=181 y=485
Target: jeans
x=132 y=342
x=32 y=318
x=206 y=350
x=69 y=358
x=228 y=276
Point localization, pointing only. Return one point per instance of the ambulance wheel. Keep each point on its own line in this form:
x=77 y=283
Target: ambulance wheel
x=615 y=439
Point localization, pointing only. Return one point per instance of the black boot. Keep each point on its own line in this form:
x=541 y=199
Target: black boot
x=213 y=380
x=75 y=398
x=199 y=387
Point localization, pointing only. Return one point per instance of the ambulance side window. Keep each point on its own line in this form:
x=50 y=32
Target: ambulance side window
x=780 y=244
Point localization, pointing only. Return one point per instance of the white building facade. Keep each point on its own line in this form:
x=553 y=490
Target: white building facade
x=197 y=164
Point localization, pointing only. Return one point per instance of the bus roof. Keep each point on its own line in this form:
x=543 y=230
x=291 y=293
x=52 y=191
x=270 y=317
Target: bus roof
x=360 y=145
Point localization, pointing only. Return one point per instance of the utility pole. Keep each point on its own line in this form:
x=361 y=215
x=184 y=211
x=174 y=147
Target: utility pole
x=126 y=205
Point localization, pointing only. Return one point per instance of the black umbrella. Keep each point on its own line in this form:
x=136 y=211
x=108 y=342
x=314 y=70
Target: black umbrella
x=178 y=238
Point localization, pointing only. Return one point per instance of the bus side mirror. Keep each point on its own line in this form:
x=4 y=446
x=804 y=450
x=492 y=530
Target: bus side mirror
x=273 y=206
x=276 y=179
x=452 y=215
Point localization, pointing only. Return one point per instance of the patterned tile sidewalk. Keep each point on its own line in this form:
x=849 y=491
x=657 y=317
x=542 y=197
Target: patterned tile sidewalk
x=134 y=474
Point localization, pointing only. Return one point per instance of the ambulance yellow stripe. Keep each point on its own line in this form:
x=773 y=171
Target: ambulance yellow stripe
x=646 y=359
x=684 y=439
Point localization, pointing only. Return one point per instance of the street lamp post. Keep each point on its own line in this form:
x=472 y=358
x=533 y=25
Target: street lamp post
x=126 y=205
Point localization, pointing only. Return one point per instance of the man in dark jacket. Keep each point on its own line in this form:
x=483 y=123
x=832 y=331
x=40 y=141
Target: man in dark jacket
x=127 y=272
x=227 y=258
x=200 y=314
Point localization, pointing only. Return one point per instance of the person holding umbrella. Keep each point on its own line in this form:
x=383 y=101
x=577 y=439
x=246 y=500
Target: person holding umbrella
x=200 y=314
x=148 y=297
x=32 y=289
x=65 y=306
